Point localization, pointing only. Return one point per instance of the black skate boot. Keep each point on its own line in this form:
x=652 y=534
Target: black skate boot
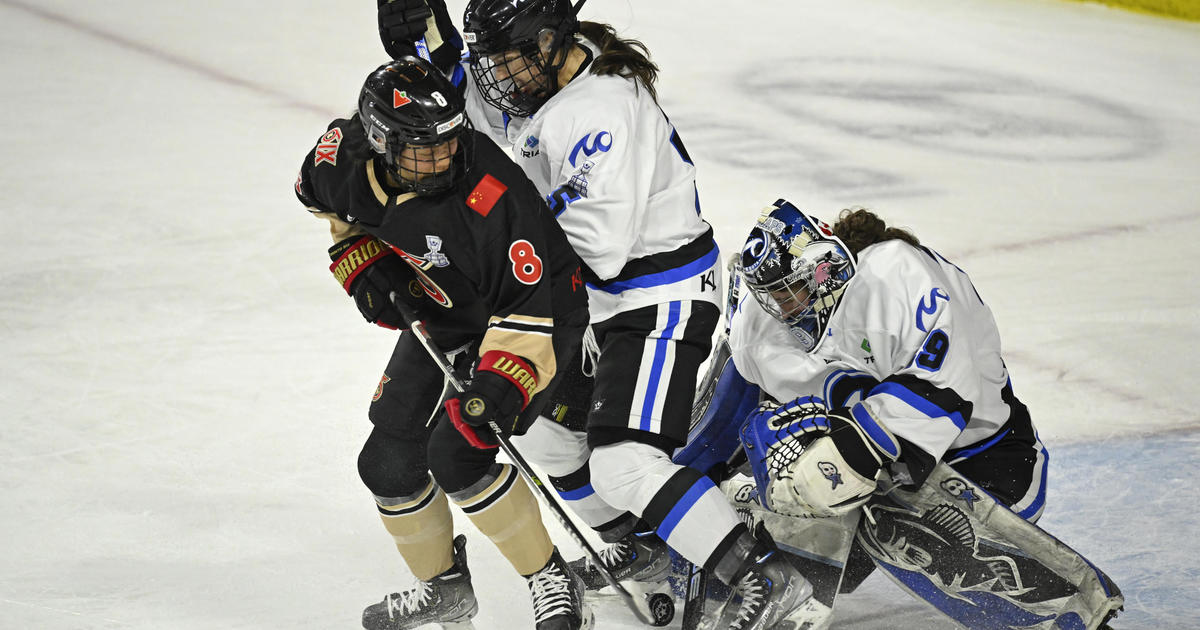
x=768 y=592
x=557 y=596
x=642 y=557
x=447 y=599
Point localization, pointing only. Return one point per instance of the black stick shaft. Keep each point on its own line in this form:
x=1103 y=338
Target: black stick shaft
x=418 y=329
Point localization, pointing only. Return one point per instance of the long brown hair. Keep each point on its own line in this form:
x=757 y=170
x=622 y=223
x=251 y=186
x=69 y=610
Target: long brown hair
x=627 y=58
x=859 y=227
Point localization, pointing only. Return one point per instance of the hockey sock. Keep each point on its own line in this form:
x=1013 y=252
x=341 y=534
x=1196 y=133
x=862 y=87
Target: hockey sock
x=687 y=510
x=563 y=454
x=422 y=528
x=505 y=510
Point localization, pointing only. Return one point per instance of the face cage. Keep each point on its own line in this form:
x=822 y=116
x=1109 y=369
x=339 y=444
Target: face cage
x=799 y=316
x=519 y=84
x=420 y=172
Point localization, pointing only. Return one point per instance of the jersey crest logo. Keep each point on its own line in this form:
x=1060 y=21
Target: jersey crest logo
x=399 y=99
x=601 y=144
x=327 y=148
x=435 y=255
x=931 y=307
x=485 y=195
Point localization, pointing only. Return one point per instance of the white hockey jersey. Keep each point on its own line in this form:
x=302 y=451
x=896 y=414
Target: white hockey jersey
x=621 y=184
x=911 y=343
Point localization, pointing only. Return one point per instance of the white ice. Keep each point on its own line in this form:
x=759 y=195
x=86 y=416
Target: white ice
x=184 y=387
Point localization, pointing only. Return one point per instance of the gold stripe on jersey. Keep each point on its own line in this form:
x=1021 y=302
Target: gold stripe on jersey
x=339 y=229
x=380 y=194
x=536 y=347
x=548 y=322
x=507 y=513
x=424 y=536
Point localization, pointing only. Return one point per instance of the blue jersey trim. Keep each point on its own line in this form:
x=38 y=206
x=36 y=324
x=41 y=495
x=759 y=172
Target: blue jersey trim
x=919 y=403
x=877 y=433
x=966 y=453
x=670 y=276
x=1040 y=500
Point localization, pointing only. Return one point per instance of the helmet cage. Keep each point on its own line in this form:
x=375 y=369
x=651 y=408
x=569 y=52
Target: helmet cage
x=797 y=270
x=516 y=50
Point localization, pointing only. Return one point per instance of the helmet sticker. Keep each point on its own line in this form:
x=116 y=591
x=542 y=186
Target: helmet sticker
x=399 y=99
x=450 y=124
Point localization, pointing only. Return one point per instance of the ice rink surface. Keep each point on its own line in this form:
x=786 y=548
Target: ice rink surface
x=184 y=388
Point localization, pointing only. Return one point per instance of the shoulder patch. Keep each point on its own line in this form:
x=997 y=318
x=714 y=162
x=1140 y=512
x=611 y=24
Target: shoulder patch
x=485 y=195
x=327 y=148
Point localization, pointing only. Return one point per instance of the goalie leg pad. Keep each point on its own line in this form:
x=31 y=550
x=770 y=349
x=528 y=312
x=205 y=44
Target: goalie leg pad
x=950 y=544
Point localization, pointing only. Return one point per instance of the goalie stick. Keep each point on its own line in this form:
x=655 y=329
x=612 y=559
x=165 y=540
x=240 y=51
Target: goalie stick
x=652 y=610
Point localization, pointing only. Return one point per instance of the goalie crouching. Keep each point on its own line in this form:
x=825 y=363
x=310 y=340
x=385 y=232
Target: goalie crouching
x=894 y=403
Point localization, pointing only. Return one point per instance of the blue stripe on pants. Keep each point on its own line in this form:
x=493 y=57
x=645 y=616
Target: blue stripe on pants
x=656 y=368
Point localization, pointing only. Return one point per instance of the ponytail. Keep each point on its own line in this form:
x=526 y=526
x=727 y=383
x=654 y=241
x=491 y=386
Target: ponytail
x=628 y=58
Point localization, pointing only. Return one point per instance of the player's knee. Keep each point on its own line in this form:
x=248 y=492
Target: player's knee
x=390 y=466
x=626 y=474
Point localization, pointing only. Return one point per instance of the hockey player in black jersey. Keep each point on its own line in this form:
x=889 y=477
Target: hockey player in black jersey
x=426 y=210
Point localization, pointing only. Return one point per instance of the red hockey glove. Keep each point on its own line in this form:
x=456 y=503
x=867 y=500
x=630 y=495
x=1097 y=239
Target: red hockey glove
x=370 y=272
x=501 y=389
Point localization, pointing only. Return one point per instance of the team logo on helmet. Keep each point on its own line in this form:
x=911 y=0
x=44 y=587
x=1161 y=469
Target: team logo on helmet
x=399 y=99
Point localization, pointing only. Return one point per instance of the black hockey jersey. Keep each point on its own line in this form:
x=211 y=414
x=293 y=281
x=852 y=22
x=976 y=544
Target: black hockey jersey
x=493 y=266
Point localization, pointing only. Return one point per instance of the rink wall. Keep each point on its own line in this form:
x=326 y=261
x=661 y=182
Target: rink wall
x=1181 y=9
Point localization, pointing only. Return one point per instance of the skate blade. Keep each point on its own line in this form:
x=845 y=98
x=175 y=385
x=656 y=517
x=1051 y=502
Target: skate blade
x=458 y=625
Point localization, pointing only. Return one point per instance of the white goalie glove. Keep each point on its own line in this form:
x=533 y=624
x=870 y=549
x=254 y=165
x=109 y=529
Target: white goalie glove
x=817 y=462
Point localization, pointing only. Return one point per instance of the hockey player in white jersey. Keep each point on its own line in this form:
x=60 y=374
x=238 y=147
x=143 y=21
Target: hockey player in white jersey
x=578 y=107
x=883 y=367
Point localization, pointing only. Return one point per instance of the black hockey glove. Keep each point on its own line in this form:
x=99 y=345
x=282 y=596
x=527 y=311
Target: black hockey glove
x=500 y=391
x=370 y=272
x=402 y=23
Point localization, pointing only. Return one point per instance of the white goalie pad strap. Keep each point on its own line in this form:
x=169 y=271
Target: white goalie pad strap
x=818 y=483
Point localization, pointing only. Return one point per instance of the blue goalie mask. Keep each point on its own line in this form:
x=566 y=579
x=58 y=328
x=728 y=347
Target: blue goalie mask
x=797 y=270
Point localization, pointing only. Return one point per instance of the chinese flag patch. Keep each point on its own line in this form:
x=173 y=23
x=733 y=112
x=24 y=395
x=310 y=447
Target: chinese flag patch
x=487 y=192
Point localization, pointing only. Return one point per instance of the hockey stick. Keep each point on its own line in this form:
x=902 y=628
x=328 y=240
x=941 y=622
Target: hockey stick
x=696 y=594
x=647 y=611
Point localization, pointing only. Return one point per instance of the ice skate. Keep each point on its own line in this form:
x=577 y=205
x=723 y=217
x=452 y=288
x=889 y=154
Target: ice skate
x=557 y=595
x=773 y=594
x=447 y=599
x=638 y=557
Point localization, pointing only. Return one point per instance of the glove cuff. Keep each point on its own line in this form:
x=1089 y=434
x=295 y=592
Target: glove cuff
x=351 y=256
x=510 y=367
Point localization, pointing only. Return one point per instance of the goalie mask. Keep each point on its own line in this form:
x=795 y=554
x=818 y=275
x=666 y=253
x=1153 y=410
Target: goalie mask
x=516 y=49
x=797 y=270
x=415 y=118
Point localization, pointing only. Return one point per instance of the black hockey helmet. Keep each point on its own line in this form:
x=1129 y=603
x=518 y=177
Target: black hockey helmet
x=414 y=117
x=517 y=48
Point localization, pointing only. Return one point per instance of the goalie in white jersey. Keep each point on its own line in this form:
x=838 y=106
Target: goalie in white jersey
x=883 y=362
x=577 y=105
